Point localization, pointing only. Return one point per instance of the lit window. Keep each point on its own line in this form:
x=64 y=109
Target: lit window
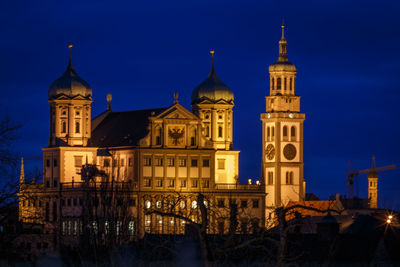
x=118 y=227
x=159 y=204
x=159 y=161
x=182 y=162
x=75 y=227
x=182 y=204
x=147 y=204
x=171 y=162
x=106 y=227
x=131 y=227
x=147 y=161
x=183 y=183
x=194 y=204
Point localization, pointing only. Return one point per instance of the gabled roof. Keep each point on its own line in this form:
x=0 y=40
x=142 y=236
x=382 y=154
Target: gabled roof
x=123 y=128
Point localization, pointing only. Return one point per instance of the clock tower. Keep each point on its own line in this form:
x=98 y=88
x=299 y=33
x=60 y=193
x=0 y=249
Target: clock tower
x=282 y=135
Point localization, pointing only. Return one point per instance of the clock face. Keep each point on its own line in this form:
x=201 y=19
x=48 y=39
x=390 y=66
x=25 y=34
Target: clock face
x=289 y=151
x=291 y=115
x=270 y=152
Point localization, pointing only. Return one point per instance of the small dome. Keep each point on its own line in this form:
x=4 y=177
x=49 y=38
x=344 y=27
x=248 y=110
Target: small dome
x=282 y=66
x=70 y=84
x=212 y=89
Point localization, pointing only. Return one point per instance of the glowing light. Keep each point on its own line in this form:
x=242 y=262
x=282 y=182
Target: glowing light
x=249 y=181
x=390 y=216
x=388 y=221
x=172 y=222
x=257 y=182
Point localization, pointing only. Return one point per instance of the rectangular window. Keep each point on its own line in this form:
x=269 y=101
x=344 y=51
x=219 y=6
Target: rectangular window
x=55 y=163
x=106 y=163
x=131 y=227
x=221 y=203
x=194 y=183
x=55 y=183
x=75 y=227
x=78 y=161
x=47 y=163
x=206 y=183
x=158 y=183
x=159 y=161
x=115 y=162
x=243 y=203
x=194 y=162
x=192 y=141
x=182 y=162
x=206 y=163
x=183 y=183
x=75 y=201
x=171 y=162
x=122 y=162
x=221 y=164
x=171 y=183
x=147 y=161
x=147 y=182
x=255 y=203
x=130 y=162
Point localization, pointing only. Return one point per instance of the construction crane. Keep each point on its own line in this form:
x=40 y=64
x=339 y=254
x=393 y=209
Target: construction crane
x=352 y=178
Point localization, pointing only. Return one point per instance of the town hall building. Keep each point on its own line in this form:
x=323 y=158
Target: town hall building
x=142 y=171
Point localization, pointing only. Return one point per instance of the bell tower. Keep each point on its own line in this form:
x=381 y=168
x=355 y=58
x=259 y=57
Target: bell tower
x=282 y=134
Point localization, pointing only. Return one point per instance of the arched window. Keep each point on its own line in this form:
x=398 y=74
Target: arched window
x=77 y=127
x=272 y=84
x=285 y=131
x=291 y=178
x=293 y=133
x=63 y=127
x=290 y=84
x=278 y=84
x=193 y=138
x=273 y=132
x=219 y=131
x=287 y=177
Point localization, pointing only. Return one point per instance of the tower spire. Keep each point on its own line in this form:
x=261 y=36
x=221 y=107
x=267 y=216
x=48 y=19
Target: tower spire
x=283 y=46
x=70 y=55
x=373 y=163
x=212 y=52
x=22 y=174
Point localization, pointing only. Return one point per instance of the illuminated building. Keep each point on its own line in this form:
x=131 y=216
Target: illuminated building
x=150 y=159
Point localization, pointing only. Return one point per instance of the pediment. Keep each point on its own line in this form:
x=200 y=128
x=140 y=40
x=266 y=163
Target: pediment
x=177 y=112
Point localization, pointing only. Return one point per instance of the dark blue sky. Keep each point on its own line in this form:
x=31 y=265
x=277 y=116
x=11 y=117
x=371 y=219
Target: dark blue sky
x=347 y=55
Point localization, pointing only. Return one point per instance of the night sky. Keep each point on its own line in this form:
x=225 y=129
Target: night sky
x=346 y=52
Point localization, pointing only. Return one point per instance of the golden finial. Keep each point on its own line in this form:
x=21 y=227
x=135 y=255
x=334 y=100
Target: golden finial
x=176 y=98
x=109 y=98
x=283 y=29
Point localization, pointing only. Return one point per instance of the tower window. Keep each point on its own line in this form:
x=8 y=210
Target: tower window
x=270 y=178
x=268 y=132
x=272 y=84
x=289 y=177
x=207 y=131
x=63 y=127
x=273 y=131
x=219 y=131
x=290 y=84
x=77 y=127
x=284 y=80
x=285 y=133
x=293 y=133
x=278 y=83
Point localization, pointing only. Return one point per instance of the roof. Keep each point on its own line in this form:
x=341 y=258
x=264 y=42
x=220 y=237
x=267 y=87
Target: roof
x=212 y=89
x=123 y=128
x=322 y=205
x=70 y=84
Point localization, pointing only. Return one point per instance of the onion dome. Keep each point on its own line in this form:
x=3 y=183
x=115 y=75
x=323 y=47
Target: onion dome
x=70 y=84
x=283 y=63
x=212 y=89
